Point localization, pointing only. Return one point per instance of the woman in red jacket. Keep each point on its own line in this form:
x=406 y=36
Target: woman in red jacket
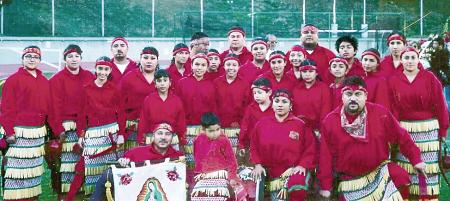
x=134 y=87
x=418 y=103
x=98 y=130
x=282 y=147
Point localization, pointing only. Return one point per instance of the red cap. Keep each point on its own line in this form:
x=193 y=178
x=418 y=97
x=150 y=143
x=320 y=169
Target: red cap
x=31 y=50
x=165 y=126
x=338 y=59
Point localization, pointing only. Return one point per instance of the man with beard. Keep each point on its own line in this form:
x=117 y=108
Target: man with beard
x=199 y=43
x=121 y=63
x=236 y=40
x=321 y=55
x=65 y=88
x=158 y=150
x=355 y=145
x=392 y=63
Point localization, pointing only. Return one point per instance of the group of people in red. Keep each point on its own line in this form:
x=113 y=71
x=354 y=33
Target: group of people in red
x=306 y=120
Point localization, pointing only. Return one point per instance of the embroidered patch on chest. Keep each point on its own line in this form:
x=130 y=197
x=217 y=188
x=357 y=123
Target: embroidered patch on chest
x=294 y=135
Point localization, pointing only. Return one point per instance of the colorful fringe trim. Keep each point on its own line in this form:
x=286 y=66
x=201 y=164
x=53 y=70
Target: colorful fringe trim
x=15 y=194
x=377 y=185
x=69 y=125
x=68 y=158
x=425 y=134
x=211 y=188
x=30 y=132
x=132 y=138
x=101 y=131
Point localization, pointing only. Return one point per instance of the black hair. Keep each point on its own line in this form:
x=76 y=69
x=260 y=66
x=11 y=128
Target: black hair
x=349 y=39
x=277 y=52
x=308 y=62
x=198 y=35
x=161 y=73
x=398 y=33
x=213 y=50
x=281 y=91
x=262 y=82
x=354 y=80
x=153 y=49
x=209 y=119
x=176 y=47
x=72 y=46
x=373 y=50
x=31 y=46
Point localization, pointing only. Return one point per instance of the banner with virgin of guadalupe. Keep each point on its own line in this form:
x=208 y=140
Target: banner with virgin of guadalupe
x=152 y=182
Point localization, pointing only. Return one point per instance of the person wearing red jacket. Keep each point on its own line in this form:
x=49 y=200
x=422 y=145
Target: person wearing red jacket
x=24 y=109
x=198 y=96
x=282 y=147
x=232 y=96
x=259 y=65
x=309 y=36
x=377 y=88
x=159 y=107
x=215 y=68
x=338 y=69
x=97 y=124
x=295 y=56
x=277 y=76
x=180 y=66
x=215 y=165
x=236 y=41
x=121 y=64
x=134 y=87
x=311 y=98
x=159 y=149
x=418 y=103
x=355 y=147
x=347 y=46
x=392 y=63
x=65 y=89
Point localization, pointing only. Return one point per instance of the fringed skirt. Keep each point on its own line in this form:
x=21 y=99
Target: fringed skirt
x=232 y=134
x=131 y=129
x=68 y=157
x=24 y=166
x=377 y=185
x=425 y=134
x=98 y=140
x=214 y=186
x=280 y=187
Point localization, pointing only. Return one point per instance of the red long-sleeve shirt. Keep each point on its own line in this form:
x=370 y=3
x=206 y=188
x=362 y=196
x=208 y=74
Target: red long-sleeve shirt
x=287 y=81
x=25 y=100
x=378 y=90
x=336 y=95
x=116 y=75
x=311 y=104
x=65 y=89
x=419 y=100
x=252 y=115
x=232 y=99
x=214 y=75
x=198 y=97
x=212 y=155
x=143 y=153
x=387 y=68
x=156 y=110
x=100 y=107
x=133 y=90
x=280 y=145
x=249 y=71
x=175 y=76
x=322 y=56
x=344 y=154
x=244 y=57
x=356 y=69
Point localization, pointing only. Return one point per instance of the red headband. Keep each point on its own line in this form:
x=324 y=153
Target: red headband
x=337 y=59
x=236 y=30
x=298 y=49
x=231 y=58
x=105 y=63
x=265 y=88
x=200 y=56
x=259 y=42
x=396 y=37
x=211 y=54
x=309 y=28
x=354 y=88
x=409 y=49
x=370 y=53
x=175 y=52
x=307 y=67
x=282 y=94
x=148 y=52
x=163 y=126
x=70 y=51
x=32 y=50
x=119 y=38
x=276 y=56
